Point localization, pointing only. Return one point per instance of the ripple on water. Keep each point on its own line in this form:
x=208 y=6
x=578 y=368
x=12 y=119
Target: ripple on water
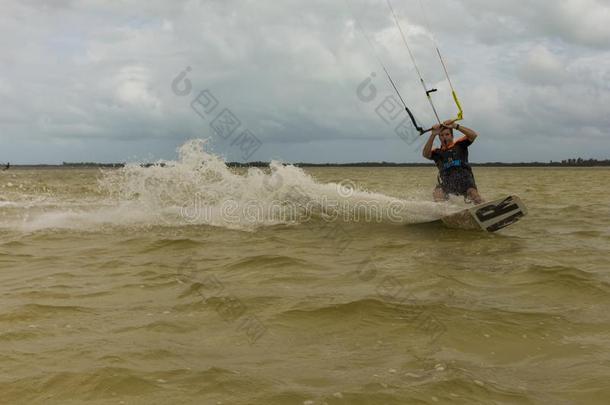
x=30 y=312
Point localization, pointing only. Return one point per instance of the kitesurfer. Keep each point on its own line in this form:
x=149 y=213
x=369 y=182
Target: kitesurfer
x=455 y=174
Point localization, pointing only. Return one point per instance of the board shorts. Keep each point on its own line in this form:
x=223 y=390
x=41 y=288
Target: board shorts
x=457 y=181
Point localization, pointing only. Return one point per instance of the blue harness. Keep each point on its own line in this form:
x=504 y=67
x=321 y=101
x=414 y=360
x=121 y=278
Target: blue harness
x=453 y=163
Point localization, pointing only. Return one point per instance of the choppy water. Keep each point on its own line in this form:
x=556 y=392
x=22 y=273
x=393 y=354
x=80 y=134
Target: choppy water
x=196 y=284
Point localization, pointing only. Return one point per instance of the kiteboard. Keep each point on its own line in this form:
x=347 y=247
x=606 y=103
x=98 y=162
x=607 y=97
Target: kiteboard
x=490 y=216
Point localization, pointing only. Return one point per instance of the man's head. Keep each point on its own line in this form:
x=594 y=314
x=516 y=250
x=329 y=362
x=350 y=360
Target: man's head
x=446 y=136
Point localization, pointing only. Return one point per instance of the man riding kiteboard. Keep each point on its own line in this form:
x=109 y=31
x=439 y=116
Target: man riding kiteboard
x=455 y=174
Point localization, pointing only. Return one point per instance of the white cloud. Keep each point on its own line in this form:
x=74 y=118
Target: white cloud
x=578 y=22
x=132 y=85
x=542 y=67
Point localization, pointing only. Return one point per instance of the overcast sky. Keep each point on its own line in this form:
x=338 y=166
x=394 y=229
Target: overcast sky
x=98 y=80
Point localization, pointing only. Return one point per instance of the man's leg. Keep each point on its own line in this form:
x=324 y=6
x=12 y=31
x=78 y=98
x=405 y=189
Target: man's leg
x=439 y=195
x=473 y=195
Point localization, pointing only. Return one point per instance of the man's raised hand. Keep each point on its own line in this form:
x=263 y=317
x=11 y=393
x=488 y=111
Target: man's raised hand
x=436 y=129
x=449 y=124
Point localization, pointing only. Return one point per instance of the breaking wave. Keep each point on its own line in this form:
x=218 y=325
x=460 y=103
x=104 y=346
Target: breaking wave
x=199 y=188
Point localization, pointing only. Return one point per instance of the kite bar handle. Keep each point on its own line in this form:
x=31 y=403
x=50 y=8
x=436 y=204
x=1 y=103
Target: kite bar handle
x=460 y=115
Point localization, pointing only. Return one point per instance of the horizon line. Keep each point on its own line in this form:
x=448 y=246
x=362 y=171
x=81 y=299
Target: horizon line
x=565 y=162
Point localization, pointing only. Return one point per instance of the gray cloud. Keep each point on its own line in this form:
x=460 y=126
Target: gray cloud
x=531 y=75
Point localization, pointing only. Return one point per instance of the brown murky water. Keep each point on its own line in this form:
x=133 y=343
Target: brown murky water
x=113 y=292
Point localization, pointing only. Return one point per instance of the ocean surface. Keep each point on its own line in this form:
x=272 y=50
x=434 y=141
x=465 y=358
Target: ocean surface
x=194 y=283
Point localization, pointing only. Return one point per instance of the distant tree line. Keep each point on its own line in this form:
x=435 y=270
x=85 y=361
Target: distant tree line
x=583 y=162
x=578 y=162
x=569 y=162
x=91 y=164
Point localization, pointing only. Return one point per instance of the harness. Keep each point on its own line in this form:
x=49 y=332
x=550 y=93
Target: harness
x=447 y=166
x=453 y=163
x=450 y=160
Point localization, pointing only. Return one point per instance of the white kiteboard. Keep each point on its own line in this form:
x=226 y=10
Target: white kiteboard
x=490 y=216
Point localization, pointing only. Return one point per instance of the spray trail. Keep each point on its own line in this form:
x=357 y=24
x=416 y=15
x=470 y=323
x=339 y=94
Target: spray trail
x=200 y=189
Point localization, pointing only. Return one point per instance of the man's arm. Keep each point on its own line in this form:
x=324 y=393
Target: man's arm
x=427 y=153
x=469 y=133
